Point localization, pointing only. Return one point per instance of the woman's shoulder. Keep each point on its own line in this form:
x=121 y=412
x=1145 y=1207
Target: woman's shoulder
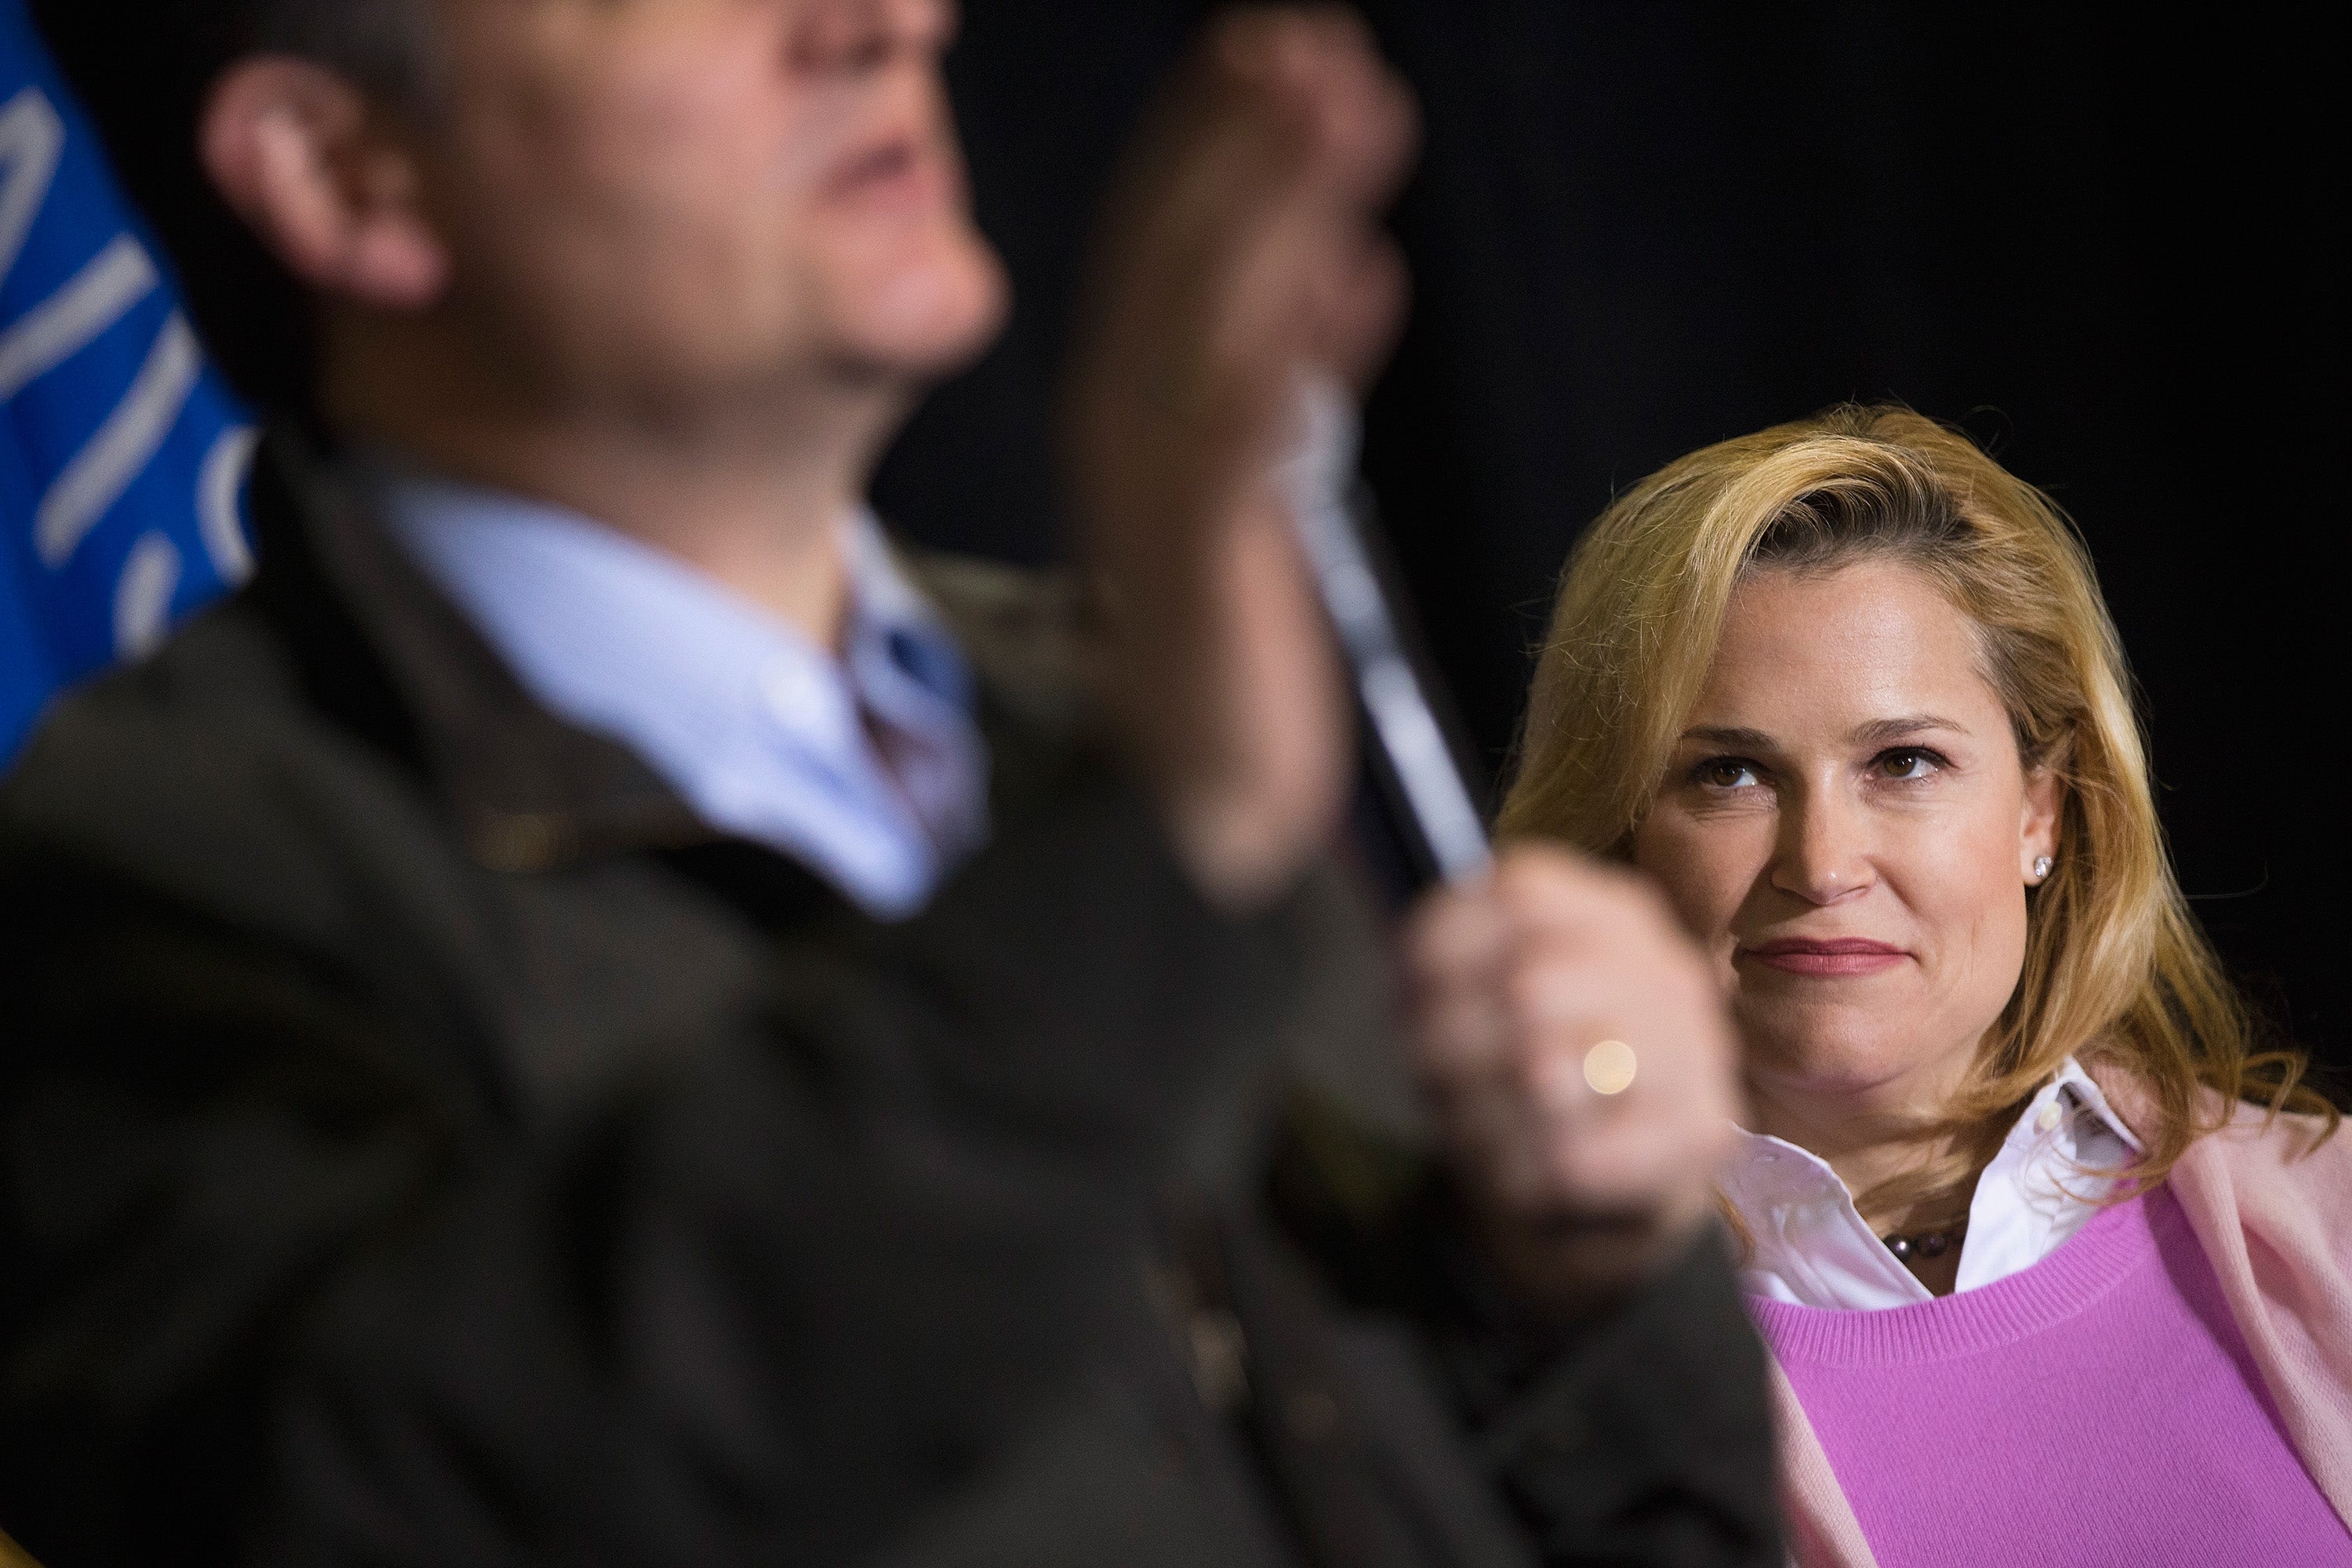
x=2311 y=1154
x=2258 y=1152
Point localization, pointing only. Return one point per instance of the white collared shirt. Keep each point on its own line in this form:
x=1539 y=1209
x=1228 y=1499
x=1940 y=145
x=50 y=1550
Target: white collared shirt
x=1812 y=1249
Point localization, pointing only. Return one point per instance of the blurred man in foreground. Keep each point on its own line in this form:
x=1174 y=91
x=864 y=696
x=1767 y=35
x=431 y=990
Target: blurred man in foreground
x=598 y=1014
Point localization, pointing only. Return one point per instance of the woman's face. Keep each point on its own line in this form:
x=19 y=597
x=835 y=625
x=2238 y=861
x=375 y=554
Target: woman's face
x=1848 y=829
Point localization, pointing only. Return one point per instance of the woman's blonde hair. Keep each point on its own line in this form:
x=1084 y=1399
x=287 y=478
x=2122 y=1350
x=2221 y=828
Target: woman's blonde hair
x=2115 y=969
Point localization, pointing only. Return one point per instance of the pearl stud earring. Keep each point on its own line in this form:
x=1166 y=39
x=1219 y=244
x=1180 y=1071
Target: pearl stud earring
x=2042 y=867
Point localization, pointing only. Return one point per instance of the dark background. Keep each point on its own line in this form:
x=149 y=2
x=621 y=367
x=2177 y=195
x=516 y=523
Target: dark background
x=2097 y=242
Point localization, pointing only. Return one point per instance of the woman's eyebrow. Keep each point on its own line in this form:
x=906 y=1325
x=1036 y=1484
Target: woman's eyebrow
x=1879 y=731
x=1715 y=735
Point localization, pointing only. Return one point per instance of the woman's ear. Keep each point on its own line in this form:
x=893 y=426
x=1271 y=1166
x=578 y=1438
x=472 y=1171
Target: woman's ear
x=300 y=153
x=2037 y=847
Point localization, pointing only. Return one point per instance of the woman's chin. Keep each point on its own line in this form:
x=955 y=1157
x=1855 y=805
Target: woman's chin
x=1834 y=1049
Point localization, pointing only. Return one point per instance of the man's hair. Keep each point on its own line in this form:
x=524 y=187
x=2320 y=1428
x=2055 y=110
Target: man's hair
x=143 y=69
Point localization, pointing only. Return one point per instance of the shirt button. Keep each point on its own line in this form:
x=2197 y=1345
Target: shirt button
x=2050 y=1118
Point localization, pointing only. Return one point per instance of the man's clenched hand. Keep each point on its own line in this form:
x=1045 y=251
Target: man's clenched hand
x=1513 y=982
x=1242 y=246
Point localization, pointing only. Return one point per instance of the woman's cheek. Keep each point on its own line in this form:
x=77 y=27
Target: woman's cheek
x=1708 y=870
x=1959 y=879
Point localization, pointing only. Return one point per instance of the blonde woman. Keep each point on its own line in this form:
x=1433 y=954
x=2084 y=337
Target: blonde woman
x=2055 y=1270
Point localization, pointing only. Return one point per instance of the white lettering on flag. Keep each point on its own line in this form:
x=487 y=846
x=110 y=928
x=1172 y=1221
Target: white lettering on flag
x=102 y=470
x=62 y=326
x=142 y=595
x=225 y=468
x=32 y=139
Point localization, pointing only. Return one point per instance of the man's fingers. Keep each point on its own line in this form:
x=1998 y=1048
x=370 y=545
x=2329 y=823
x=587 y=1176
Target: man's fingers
x=1455 y=936
x=1547 y=888
x=1292 y=118
x=1584 y=1187
x=1606 y=1164
x=1287 y=104
x=1357 y=119
x=1561 y=1149
x=1243 y=244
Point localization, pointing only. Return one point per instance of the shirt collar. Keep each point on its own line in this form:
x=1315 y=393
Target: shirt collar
x=889 y=611
x=888 y=616
x=2085 y=1093
x=866 y=766
x=905 y=664
x=1808 y=1244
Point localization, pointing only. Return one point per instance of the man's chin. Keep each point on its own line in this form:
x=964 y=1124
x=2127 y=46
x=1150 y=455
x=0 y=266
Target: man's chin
x=924 y=323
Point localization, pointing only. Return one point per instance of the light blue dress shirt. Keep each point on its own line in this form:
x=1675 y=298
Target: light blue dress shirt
x=867 y=766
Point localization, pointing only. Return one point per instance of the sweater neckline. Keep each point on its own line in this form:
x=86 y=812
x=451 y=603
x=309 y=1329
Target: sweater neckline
x=2090 y=1264
x=1806 y=1242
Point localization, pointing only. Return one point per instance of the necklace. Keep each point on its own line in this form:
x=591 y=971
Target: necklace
x=1928 y=1244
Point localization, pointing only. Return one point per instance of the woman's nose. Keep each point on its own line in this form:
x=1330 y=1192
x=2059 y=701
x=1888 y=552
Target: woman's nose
x=1823 y=853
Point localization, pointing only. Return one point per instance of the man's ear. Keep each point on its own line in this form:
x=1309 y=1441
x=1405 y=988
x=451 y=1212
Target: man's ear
x=298 y=152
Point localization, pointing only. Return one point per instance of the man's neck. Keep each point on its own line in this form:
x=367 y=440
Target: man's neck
x=751 y=494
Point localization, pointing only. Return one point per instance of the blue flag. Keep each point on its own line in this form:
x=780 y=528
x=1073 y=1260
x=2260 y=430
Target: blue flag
x=123 y=454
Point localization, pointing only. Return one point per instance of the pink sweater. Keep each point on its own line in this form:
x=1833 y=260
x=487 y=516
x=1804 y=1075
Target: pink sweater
x=2271 y=1216
x=2016 y=1423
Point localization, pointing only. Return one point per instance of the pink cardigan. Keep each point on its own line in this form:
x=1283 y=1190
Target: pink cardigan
x=2275 y=1219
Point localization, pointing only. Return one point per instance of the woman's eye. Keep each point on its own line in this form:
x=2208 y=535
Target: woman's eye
x=1725 y=772
x=1907 y=764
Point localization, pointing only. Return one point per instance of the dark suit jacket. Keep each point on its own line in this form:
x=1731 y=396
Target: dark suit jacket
x=425 y=1142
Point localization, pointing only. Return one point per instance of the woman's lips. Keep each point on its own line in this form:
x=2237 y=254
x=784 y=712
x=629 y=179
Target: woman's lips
x=1825 y=958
